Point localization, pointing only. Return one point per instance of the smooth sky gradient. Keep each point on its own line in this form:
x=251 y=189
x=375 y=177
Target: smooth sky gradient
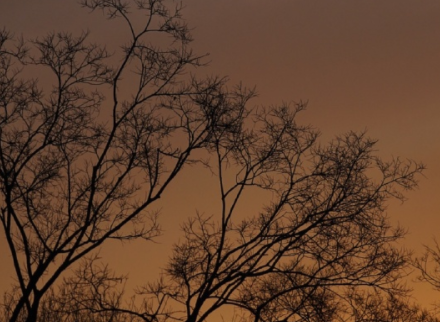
x=362 y=65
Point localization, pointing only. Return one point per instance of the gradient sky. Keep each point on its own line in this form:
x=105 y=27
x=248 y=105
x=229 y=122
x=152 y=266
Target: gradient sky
x=362 y=65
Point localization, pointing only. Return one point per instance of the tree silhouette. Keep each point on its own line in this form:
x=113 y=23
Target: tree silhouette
x=428 y=266
x=78 y=169
x=324 y=228
x=372 y=306
x=82 y=162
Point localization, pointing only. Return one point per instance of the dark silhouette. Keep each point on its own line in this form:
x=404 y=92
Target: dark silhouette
x=78 y=169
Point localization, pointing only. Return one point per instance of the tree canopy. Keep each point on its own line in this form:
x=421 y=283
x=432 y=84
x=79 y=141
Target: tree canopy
x=83 y=162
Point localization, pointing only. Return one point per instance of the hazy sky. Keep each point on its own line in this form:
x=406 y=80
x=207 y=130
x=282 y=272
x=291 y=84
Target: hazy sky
x=362 y=65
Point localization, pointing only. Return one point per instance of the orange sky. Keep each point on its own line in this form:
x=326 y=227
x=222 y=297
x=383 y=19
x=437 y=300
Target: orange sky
x=371 y=65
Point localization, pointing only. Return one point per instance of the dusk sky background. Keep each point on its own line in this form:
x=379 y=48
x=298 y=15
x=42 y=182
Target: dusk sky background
x=361 y=65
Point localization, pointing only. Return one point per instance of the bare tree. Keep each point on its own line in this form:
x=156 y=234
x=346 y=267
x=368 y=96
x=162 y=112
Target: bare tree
x=323 y=229
x=428 y=266
x=81 y=296
x=77 y=168
x=375 y=307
